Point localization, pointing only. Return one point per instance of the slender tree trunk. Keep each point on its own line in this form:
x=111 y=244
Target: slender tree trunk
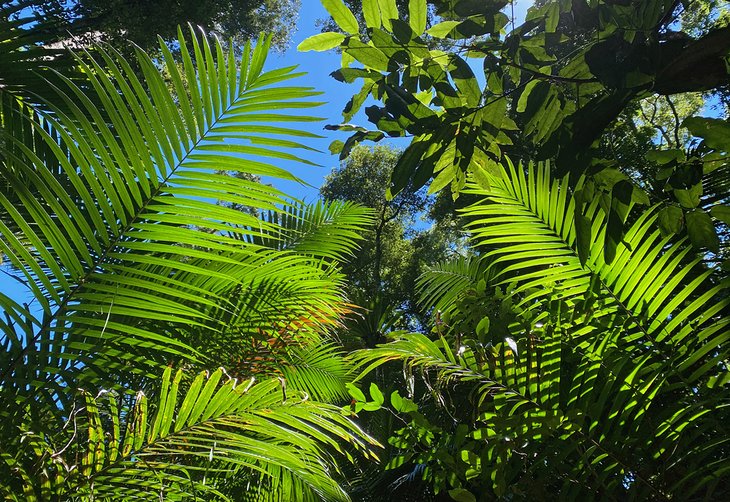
x=377 y=276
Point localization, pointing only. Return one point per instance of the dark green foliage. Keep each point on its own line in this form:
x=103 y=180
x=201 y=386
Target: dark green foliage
x=120 y=21
x=394 y=251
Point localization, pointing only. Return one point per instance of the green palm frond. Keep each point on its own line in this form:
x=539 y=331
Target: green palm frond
x=319 y=370
x=328 y=230
x=443 y=284
x=118 y=218
x=165 y=447
x=118 y=242
x=531 y=224
x=30 y=48
x=613 y=373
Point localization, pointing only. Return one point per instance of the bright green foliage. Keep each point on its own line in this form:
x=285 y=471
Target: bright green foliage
x=117 y=215
x=610 y=382
x=218 y=423
x=551 y=88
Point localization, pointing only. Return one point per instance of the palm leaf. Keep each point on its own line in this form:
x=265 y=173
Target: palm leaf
x=120 y=245
x=165 y=449
x=443 y=284
x=118 y=220
x=327 y=230
x=615 y=378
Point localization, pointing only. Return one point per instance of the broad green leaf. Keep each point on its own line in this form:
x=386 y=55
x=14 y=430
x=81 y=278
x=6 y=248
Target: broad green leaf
x=721 y=212
x=396 y=400
x=388 y=12
x=462 y=495
x=417 y=14
x=689 y=198
x=402 y=404
x=321 y=42
x=442 y=29
x=342 y=16
x=665 y=156
x=552 y=17
x=356 y=393
x=371 y=13
x=446 y=174
x=371 y=406
x=701 y=231
x=367 y=54
x=715 y=132
x=465 y=81
x=525 y=95
x=671 y=220
x=483 y=327
x=376 y=394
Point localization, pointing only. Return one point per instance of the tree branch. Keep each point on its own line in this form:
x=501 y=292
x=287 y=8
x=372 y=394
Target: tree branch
x=697 y=66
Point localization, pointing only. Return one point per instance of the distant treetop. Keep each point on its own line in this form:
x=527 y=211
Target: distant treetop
x=140 y=21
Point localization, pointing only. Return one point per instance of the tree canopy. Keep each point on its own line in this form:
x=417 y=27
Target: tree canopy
x=119 y=22
x=399 y=246
x=552 y=88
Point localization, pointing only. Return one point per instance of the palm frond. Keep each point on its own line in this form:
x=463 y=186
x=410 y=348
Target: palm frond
x=612 y=374
x=325 y=230
x=166 y=447
x=319 y=370
x=32 y=46
x=531 y=225
x=119 y=242
x=442 y=285
x=118 y=220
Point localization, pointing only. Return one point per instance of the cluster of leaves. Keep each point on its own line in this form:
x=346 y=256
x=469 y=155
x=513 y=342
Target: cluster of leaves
x=552 y=87
x=699 y=183
x=117 y=219
x=598 y=368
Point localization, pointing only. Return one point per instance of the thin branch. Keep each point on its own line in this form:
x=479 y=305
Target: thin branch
x=554 y=78
x=676 y=120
